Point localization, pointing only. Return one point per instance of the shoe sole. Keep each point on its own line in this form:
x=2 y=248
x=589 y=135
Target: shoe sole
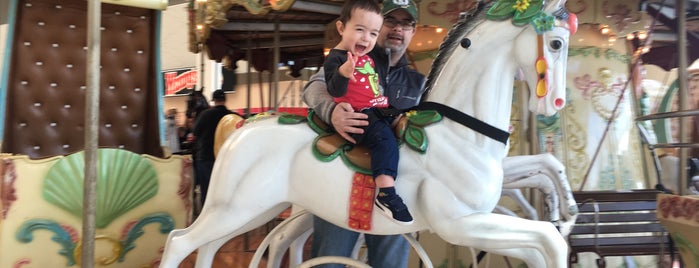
x=387 y=212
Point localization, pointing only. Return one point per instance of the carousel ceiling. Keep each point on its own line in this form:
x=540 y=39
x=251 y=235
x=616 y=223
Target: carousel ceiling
x=230 y=27
x=663 y=50
x=296 y=27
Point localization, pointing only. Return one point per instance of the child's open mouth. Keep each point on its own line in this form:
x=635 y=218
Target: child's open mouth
x=360 y=50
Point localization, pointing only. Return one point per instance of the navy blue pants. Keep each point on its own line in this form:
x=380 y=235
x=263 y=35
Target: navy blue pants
x=202 y=176
x=383 y=146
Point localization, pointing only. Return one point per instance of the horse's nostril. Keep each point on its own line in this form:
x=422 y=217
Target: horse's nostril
x=559 y=102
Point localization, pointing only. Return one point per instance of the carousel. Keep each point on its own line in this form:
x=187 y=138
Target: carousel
x=587 y=158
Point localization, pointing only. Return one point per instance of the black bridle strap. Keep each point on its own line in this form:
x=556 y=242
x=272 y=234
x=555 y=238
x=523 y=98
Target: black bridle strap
x=466 y=120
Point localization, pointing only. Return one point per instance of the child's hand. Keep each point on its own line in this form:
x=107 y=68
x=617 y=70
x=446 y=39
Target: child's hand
x=347 y=68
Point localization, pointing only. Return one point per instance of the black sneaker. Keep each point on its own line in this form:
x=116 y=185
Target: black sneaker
x=395 y=209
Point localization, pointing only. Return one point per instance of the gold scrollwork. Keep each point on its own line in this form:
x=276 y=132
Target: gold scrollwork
x=116 y=251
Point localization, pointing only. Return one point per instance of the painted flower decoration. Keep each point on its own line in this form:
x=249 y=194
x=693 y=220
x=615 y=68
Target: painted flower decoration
x=543 y=23
x=522 y=12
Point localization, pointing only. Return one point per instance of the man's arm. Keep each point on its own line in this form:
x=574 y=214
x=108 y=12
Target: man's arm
x=341 y=116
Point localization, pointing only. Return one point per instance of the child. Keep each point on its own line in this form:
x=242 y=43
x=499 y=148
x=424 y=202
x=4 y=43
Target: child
x=350 y=76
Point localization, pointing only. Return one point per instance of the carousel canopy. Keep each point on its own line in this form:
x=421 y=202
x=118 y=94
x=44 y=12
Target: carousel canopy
x=663 y=50
x=231 y=27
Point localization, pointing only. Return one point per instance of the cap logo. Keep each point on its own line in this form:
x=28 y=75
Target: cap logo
x=401 y=2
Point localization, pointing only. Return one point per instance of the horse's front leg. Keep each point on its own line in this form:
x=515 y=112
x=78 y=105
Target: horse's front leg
x=546 y=173
x=537 y=243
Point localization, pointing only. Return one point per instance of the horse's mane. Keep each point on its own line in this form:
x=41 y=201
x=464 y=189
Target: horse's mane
x=196 y=103
x=467 y=22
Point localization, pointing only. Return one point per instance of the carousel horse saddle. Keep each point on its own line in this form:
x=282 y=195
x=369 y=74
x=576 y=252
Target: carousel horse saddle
x=329 y=144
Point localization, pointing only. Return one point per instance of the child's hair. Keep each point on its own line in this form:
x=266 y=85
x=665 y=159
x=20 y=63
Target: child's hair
x=368 y=5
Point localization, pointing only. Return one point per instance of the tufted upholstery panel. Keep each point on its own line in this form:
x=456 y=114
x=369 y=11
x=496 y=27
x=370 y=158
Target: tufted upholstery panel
x=46 y=89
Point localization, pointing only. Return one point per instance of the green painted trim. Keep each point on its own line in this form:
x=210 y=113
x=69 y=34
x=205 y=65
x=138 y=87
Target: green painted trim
x=662 y=126
x=598 y=52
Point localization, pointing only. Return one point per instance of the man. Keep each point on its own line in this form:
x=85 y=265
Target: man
x=204 y=130
x=403 y=86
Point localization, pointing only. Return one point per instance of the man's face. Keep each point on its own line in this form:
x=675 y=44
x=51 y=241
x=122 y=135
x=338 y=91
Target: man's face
x=397 y=31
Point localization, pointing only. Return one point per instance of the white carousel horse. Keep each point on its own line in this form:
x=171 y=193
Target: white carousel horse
x=450 y=189
x=542 y=172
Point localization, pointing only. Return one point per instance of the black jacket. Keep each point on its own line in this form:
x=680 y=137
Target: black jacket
x=205 y=129
x=401 y=84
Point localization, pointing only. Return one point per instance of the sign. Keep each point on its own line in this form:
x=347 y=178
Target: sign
x=181 y=81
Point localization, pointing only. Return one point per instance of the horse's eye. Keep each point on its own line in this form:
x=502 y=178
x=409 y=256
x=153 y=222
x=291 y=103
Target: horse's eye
x=556 y=44
x=465 y=43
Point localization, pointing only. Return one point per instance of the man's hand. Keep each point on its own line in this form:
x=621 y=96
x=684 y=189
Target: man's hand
x=346 y=121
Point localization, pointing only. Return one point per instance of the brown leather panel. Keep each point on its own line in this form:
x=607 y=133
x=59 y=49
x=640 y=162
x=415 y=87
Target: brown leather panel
x=46 y=89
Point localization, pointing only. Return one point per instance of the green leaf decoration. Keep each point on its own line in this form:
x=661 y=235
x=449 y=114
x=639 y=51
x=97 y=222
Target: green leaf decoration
x=523 y=18
x=416 y=138
x=125 y=180
x=290 y=119
x=504 y=9
x=423 y=118
x=501 y=10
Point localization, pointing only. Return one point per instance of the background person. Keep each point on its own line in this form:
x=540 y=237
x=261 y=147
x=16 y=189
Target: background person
x=204 y=130
x=171 y=136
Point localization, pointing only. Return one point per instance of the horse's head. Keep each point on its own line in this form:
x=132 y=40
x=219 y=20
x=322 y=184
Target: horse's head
x=537 y=45
x=542 y=49
x=196 y=103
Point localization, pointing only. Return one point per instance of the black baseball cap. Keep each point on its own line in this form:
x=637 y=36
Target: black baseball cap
x=219 y=95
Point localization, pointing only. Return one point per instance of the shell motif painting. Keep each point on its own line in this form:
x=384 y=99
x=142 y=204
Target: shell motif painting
x=125 y=180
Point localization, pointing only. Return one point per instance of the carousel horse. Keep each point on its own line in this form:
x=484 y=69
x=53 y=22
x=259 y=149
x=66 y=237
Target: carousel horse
x=451 y=188
x=542 y=172
x=196 y=103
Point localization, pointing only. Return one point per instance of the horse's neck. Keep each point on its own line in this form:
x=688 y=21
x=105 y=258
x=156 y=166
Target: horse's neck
x=479 y=80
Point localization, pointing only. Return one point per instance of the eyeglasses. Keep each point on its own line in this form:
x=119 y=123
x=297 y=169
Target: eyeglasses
x=406 y=25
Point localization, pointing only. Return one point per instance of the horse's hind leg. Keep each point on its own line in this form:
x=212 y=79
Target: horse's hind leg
x=213 y=226
x=175 y=251
x=207 y=252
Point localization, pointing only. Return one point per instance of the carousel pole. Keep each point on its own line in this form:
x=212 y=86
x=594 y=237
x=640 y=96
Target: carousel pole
x=275 y=67
x=248 y=57
x=92 y=97
x=685 y=122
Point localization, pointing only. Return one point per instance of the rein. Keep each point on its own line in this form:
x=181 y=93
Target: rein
x=466 y=120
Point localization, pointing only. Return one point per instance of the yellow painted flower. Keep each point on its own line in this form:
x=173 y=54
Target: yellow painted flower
x=521 y=5
x=411 y=113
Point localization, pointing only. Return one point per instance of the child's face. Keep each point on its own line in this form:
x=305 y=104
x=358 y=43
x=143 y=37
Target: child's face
x=360 y=32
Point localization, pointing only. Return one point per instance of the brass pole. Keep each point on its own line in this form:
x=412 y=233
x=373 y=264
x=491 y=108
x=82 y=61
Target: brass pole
x=685 y=122
x=92 y=97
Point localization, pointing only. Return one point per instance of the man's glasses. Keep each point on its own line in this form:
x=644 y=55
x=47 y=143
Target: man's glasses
x=406 y=25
